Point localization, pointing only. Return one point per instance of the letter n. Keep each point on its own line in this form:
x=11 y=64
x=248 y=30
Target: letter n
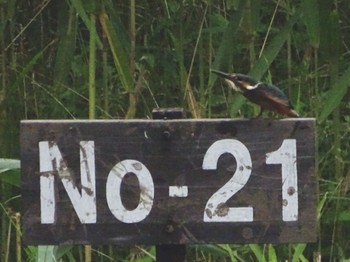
x=51 y=162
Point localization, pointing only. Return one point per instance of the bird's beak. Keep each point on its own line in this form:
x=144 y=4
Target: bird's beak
x=230 y=79
x=222 y=74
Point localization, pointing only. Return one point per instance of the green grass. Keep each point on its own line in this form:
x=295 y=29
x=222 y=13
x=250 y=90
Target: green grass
x=120 y=59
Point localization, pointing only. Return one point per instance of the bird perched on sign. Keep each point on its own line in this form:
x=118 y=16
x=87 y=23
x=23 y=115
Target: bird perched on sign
x=268 y=97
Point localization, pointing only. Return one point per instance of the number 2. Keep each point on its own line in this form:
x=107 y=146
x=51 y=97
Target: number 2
x=216 y=209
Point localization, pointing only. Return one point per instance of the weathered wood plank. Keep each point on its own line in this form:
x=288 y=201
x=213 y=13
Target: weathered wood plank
x=173 y=152
x=171 y=252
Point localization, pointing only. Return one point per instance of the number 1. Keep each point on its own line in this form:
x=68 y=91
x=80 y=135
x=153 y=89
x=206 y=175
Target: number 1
x=286 y=155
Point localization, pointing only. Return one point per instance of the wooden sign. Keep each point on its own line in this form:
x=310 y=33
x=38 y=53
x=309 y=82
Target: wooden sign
x=168 y=181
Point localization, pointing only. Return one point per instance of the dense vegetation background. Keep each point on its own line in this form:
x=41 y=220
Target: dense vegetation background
x=120 y=59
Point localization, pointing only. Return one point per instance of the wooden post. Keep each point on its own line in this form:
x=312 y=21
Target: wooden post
x=169 y=253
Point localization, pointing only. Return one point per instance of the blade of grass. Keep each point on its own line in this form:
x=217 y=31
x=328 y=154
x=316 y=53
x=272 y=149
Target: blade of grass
x=268 y=56
x=29 y=66
x=118 y=52
x=258 y=252
x=335 y=95
x=225 y=46
x=311 y=20
x=269 y=29
x=270 y=53
x=92 y=67
x=298 y=252
x=193 y=105
x=224 y=50
x=121 y=62
x=42 y=8
x=79 y=7
x=46 y=253
x=272 y=253
x=229 y=251
x=9 y=164
x=18 y=237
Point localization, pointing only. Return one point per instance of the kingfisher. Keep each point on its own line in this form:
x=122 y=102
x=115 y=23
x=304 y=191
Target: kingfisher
x=268 y=97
